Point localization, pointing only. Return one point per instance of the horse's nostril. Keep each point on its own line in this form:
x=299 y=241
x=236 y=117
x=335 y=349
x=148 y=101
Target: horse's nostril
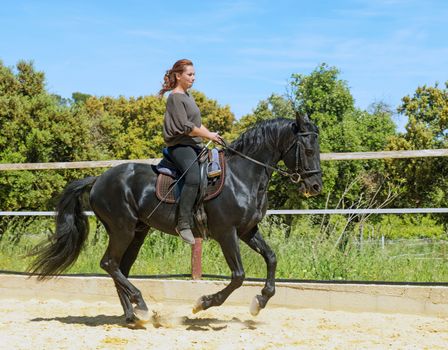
x=316 y=187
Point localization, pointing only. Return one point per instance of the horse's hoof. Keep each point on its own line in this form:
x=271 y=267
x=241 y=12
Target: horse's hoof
x=142 y=315
x=255 y=307
x=198 y=306
x=136 y=324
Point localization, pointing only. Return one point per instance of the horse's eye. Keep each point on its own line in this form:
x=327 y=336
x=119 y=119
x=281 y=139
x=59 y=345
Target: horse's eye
x=309 y=152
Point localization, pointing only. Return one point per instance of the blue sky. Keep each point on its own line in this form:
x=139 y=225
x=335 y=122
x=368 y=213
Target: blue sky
x=243 y=50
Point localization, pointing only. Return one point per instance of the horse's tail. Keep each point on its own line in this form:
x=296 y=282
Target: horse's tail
x=72 y=228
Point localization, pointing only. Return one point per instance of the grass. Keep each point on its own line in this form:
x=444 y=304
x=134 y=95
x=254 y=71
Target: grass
x=311 y=251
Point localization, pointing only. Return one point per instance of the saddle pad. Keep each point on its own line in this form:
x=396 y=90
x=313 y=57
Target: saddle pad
x=214 y=187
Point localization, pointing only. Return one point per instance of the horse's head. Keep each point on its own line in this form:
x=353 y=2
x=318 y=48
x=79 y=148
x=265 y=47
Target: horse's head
x=302 y=156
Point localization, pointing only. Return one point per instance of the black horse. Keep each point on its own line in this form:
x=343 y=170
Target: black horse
x=124 y=196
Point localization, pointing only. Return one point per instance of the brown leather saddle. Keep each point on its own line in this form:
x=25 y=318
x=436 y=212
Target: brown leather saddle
x=165 y=185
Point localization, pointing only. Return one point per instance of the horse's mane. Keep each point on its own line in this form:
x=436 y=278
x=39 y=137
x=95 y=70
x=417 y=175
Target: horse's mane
x=267 y=133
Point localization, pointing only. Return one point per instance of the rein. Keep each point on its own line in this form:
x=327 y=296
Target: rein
x=298 y=174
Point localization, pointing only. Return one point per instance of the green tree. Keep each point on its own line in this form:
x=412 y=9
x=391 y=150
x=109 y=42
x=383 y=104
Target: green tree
x=322 y=94
x=327 y=100
x=127 y=128
x=423 y=179
x=79 y=97
x=36 y=127
x=275 y=106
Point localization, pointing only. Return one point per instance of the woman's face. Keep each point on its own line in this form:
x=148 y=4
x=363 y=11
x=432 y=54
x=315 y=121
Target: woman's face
x=186 y=79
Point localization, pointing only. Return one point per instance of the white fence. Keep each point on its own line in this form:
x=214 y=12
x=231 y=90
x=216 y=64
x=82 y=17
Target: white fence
x=323 y=157
x=282 y=212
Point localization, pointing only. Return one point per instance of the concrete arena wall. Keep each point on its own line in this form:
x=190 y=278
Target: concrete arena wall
x=419 y=300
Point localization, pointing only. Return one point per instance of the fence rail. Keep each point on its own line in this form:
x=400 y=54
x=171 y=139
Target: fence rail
x=323 y=157
x=443 y=152
x=74 y=165
x=282 y=212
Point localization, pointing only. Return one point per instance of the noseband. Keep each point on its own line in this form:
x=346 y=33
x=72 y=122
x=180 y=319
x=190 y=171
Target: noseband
x=298 y=174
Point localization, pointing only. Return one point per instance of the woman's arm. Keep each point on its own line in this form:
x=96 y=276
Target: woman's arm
x=204 y=132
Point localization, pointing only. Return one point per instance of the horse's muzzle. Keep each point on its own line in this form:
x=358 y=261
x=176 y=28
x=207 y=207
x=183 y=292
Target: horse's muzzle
x=310 y=190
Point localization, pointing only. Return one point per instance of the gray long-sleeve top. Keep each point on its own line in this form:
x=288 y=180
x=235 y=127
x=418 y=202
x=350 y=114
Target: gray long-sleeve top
x=181 y=116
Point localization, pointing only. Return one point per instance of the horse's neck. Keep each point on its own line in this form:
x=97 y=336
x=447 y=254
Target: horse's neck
x=250 y=172
x=267 y=152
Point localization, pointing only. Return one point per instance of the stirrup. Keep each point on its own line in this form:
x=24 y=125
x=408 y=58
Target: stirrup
x=186 y=234
x=213 y=167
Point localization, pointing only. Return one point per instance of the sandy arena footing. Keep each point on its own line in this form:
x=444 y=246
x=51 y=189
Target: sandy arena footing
x=76 y=312
x=418 y=300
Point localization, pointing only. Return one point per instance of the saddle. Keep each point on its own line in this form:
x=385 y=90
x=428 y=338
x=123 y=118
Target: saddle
x=212 y=168
x=168 y=175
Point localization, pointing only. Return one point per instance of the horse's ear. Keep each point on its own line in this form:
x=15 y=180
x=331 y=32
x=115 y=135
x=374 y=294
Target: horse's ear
x=295 y=128
x=302 y=120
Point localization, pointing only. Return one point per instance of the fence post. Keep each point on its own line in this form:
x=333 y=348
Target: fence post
x=361 y=234
x=196 y=259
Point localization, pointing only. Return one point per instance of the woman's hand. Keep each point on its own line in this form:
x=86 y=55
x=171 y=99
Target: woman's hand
x=204 y=132
x=215 y=137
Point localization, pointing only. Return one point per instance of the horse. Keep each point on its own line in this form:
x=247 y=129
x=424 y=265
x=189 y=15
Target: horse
x=123 y=197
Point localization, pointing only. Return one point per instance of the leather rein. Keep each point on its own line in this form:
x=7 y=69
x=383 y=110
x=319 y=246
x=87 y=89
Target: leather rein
x=298 y=174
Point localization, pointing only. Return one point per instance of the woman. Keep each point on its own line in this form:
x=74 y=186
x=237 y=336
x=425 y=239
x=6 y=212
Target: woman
x=183 y=133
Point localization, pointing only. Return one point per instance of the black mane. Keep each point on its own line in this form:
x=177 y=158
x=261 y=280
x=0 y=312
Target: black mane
x=268 y=133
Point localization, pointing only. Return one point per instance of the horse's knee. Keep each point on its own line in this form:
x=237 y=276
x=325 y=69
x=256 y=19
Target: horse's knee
x=107 y=265
x=104 y=264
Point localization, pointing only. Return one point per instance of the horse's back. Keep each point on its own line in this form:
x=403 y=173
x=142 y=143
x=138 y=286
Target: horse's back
x=122 y=187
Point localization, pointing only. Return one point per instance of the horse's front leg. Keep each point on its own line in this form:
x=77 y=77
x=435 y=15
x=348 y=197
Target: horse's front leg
x=257 y=243
x=231 y=250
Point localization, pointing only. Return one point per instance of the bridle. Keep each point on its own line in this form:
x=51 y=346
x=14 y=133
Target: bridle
x=298 y=174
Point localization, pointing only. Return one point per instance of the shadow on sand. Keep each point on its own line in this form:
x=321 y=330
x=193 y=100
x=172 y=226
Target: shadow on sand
x=157 y=321
x=91 y=321
x=207 y=324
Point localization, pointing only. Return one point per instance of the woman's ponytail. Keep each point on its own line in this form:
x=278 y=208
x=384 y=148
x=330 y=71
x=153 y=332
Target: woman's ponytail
x=169 y=80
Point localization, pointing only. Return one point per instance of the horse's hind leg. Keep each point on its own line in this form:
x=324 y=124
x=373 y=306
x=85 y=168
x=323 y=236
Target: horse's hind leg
x=129 y=257
x=231 y=251
x=257 y=243
x=131 y=253
x=119 y=242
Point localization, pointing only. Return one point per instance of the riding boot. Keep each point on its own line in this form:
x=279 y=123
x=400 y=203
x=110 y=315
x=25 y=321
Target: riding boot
x=185 y=213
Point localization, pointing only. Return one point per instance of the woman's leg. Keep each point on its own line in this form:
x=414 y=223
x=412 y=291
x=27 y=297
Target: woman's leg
x=185 y=159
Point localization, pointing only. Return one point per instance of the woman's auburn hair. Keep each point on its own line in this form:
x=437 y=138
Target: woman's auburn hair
x=169 y=80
